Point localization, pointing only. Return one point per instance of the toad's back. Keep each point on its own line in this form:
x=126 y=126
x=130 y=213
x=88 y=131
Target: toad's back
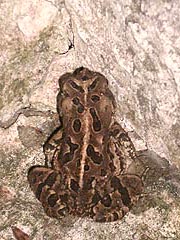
x=86 y=105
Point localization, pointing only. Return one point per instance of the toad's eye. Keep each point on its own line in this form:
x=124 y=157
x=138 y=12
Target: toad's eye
x=76 y=86
x=93 y=85
x=95 y=98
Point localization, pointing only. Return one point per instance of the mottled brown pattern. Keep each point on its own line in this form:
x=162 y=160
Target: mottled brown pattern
x=86 y=171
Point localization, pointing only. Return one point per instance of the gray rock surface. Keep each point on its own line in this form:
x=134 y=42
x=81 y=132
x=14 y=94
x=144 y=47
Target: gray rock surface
x=136 y=45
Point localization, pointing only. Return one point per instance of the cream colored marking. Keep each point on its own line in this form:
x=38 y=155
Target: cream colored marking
x=86 y=130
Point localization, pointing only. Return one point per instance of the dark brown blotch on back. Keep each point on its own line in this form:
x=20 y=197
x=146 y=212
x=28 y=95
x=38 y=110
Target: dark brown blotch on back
x=80 y=108
x=68 y=156
x=74 y=185
x=86 y=167
x=73 y=146
x=96 y=121
x=95 y=156
x=77 y=125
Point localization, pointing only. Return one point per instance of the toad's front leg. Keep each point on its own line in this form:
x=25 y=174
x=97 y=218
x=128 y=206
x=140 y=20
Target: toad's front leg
x=51 y=146
x=49 y=188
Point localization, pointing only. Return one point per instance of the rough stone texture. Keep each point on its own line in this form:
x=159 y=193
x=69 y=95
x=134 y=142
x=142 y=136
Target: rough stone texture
x=136 y=45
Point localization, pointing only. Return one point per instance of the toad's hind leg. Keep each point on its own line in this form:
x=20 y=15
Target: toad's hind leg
x=120 y=195
x=49 y=189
